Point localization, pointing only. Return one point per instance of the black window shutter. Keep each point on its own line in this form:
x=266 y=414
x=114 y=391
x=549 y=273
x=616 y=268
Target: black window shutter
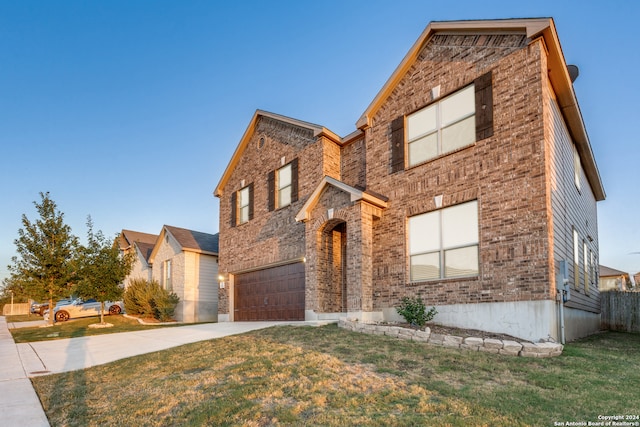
x=484 y=106
x=271 y=184
x=250 y=201
x=234 y=205
x=397 y=144
x=294 y=180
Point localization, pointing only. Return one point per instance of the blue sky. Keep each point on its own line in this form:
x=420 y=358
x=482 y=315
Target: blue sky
x=129 y=111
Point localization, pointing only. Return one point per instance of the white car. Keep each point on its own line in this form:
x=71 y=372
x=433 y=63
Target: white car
x=80 y=308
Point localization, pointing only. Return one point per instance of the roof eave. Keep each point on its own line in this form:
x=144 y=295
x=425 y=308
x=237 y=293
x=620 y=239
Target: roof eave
x=568 y=103
x=531 y=26
x=355 y=195
x=246 y=137
x=558 y=74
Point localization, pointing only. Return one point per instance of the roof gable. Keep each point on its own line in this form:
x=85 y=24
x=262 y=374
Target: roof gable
x=246 y=137
x=145 y=250
x=530 y=27
x=127 y=238
x=534 y=29
x=355 y=194
x=188 y=240
x=195 y=241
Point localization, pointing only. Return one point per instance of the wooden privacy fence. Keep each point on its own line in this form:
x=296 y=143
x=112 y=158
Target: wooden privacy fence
x=620 y=311
x=21 y=308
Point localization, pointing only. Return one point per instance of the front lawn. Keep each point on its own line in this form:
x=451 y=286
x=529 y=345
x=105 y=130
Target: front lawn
x=79 y=328
x=329 y=376
x=22 y=318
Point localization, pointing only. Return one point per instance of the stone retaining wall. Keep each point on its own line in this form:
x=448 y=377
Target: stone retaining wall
x=489 y=345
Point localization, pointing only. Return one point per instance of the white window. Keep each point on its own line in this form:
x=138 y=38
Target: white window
x=284 y=185
x=167 y=275
x=243 y=205
x=442 y=127
x=444 y=243
x=585 y=257
x=576 y=259
x=576 y=167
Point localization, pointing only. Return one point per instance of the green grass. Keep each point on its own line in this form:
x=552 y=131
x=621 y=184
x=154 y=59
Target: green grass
x=79 y=328
x=22 y=318
x=331 y=377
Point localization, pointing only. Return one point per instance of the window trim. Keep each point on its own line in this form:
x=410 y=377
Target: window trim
x=576 y=258
x=167 y=282
x=442 y=250
x=280 y=190
x=585 y=255
x=236 y=207
x=241 y=207
x=273 y=187
x=577 y=168
x=440 y=126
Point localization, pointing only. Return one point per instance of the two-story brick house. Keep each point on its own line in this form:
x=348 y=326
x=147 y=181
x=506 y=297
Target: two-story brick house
x=469 y=182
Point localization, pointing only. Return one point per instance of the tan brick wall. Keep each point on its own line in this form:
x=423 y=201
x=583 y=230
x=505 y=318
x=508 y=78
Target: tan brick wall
x=505 y=173
x=271 y=237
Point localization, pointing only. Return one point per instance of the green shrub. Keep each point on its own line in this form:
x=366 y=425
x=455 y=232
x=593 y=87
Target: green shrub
x=149 y=299
x=415 y=312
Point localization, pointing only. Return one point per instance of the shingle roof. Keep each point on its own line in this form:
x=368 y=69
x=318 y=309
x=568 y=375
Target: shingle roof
x=145 y=249
x=608 y=271
x=129 y=237
x=194 y=240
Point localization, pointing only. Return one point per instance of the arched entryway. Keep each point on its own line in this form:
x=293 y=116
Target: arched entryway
x=332 y=267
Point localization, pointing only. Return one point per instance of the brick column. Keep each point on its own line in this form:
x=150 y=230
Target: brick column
x=360 y=259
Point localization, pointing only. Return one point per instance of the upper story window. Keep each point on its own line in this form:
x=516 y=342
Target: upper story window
x=442 y=127
x=283 y=185
x=445 y=126
x=444 y=243
x=242 y=205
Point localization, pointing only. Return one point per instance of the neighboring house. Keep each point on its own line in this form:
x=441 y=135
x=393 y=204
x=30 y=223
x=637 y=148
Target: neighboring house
x=185 y=262
x=469 y=182
x=614 y=280
x=141 y=244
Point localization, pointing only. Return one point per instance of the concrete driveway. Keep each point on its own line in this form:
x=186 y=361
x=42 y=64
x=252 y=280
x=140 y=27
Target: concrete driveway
x=52 y=357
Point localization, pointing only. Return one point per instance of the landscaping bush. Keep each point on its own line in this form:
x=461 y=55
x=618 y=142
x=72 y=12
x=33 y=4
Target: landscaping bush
x=149 y=299
x=415 y=312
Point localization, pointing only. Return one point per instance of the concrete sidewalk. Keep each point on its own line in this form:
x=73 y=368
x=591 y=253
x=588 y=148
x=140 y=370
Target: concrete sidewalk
x=19 y=403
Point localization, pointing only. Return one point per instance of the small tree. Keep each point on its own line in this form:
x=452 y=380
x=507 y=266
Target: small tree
x=101 y=268
x=46 y=248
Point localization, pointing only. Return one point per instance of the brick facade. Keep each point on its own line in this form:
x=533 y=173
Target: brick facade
x=354 y=236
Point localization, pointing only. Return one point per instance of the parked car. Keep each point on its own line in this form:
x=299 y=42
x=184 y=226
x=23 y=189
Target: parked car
x=40 y=308
x=88 y=308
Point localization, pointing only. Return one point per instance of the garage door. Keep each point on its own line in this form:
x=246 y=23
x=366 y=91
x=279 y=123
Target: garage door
x=275 y=293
